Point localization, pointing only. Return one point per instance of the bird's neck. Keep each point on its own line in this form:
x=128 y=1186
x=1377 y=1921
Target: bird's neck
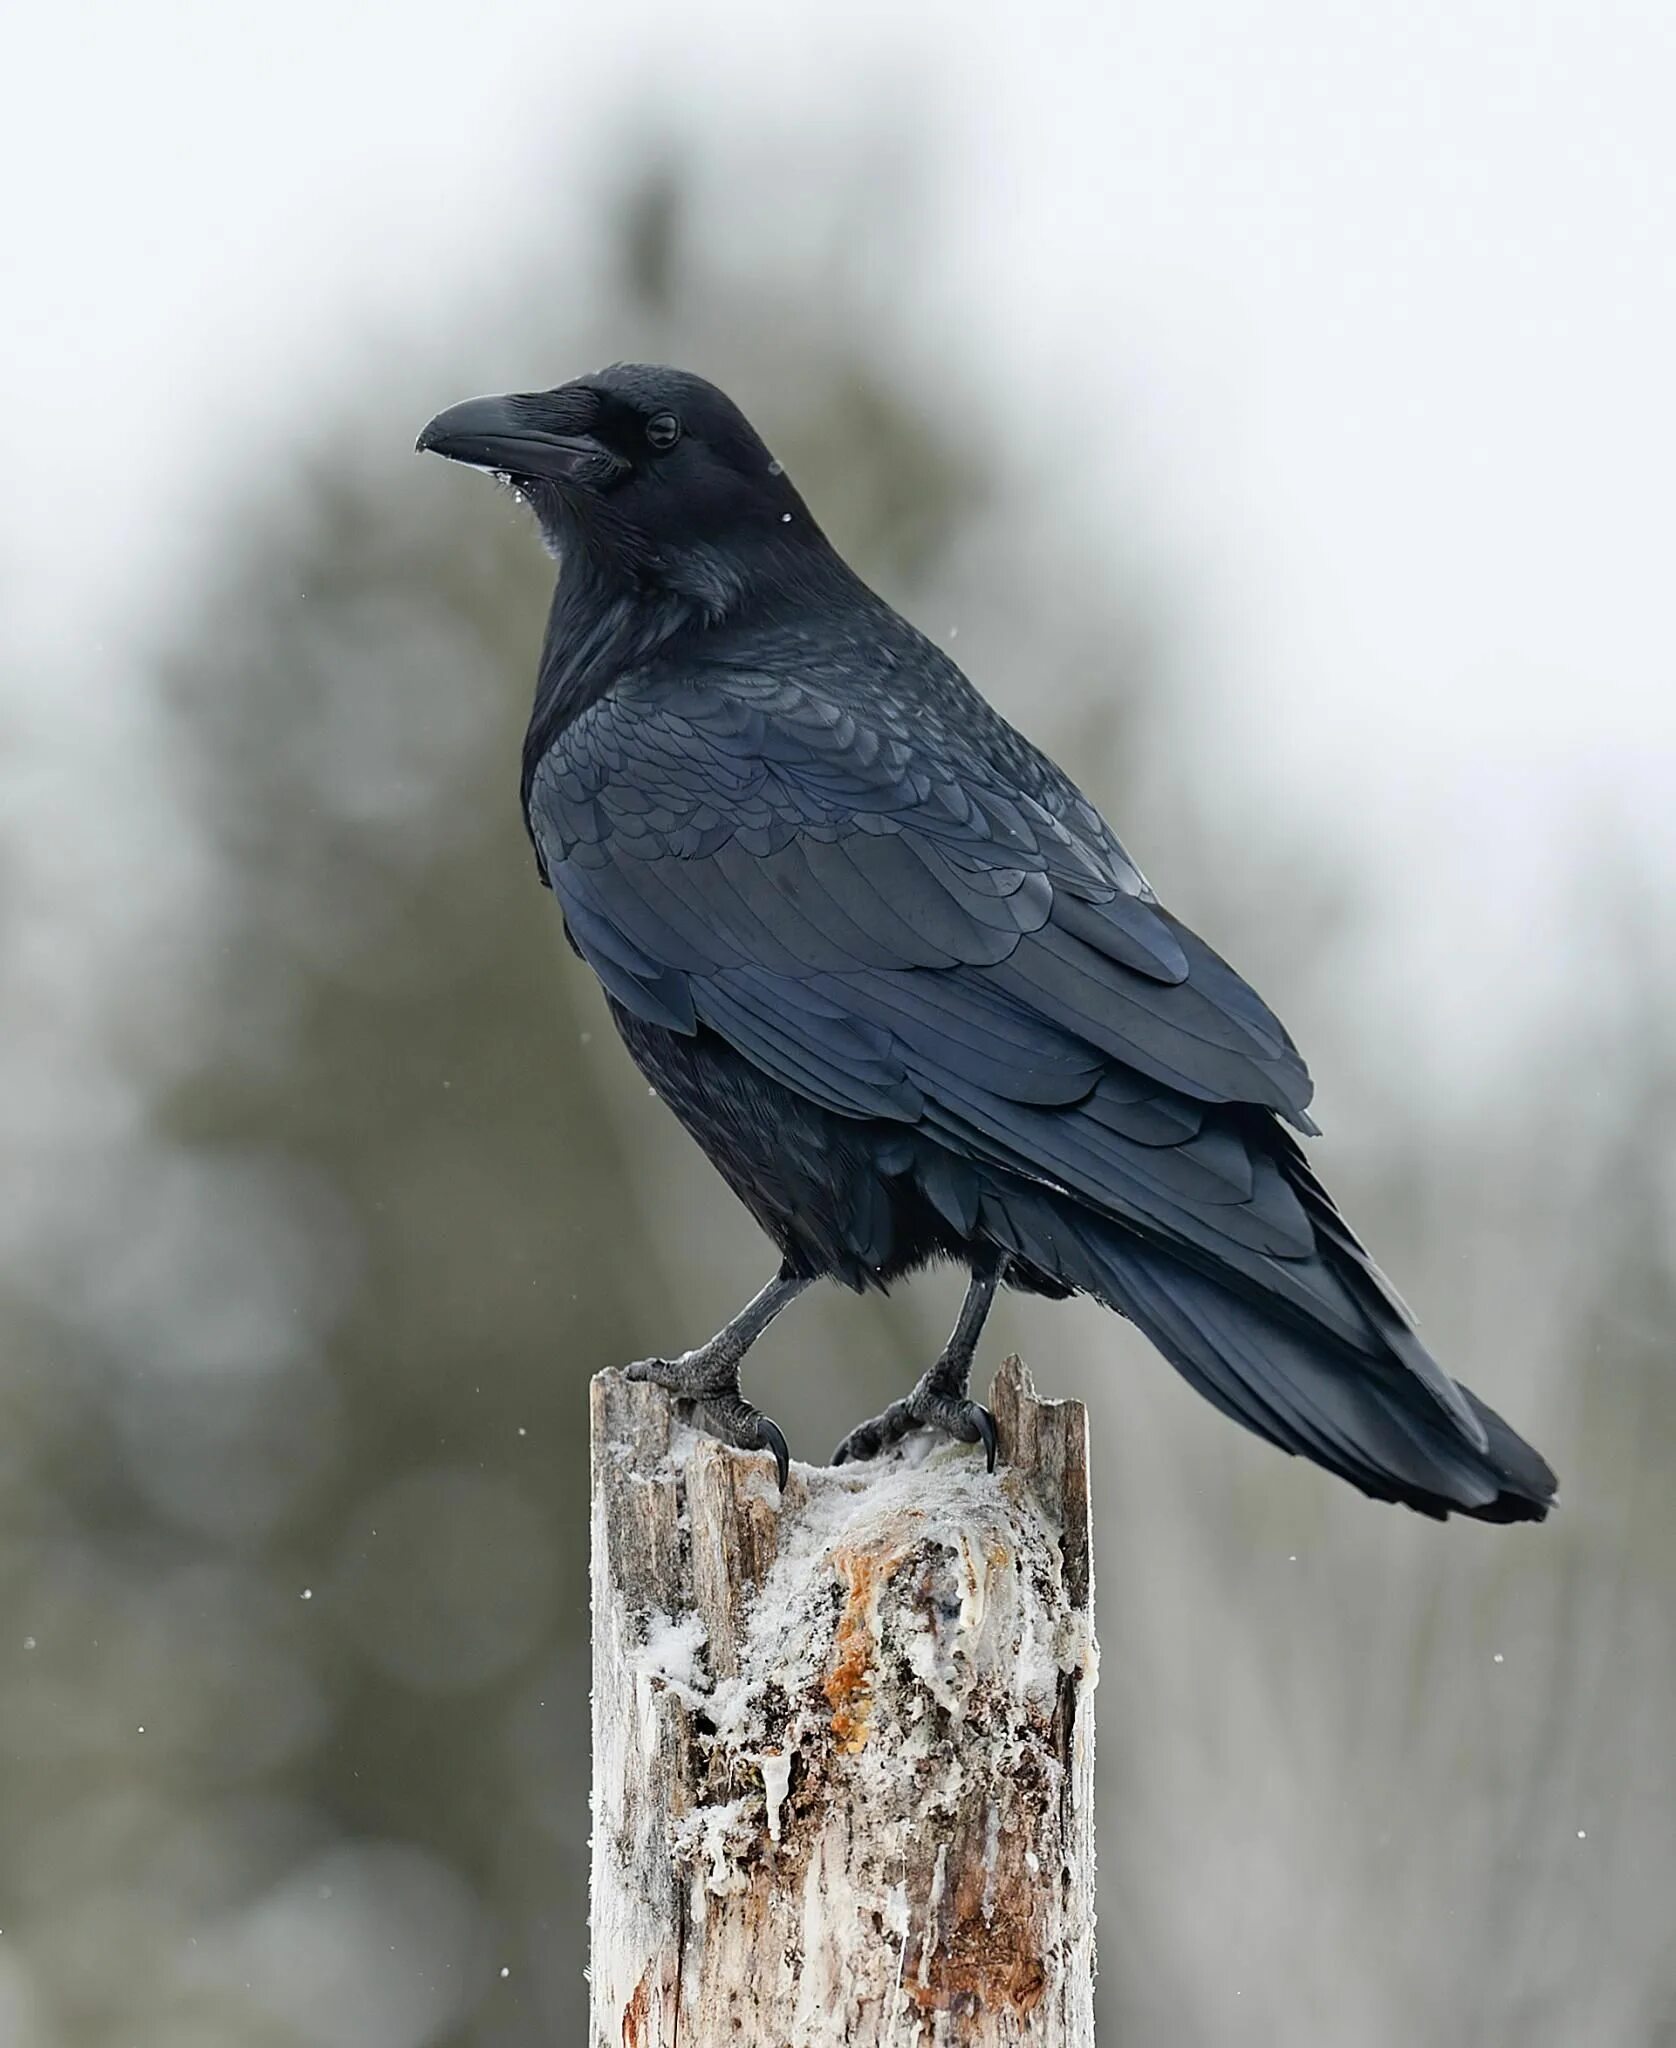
x=596 y=630
x=601 y=626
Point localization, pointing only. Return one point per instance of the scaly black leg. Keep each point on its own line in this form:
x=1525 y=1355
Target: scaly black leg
x=939 y=1400
x=709 y=1376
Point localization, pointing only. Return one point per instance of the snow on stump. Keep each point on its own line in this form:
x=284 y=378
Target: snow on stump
x=844 y=1742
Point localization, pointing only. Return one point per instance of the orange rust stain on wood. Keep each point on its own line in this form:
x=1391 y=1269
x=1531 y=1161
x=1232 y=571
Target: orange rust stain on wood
x=848 y=1685
x=638 y=2012
x=986 y=1943
x=976 y=1984
x=983 y=1964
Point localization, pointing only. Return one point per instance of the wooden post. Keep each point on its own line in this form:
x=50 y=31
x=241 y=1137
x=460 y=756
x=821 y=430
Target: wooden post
x=843 y=1742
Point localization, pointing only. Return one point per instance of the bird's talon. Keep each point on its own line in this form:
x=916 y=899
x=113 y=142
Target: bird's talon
x=967 y=1421
x=869 y=1438
x=774 y=1439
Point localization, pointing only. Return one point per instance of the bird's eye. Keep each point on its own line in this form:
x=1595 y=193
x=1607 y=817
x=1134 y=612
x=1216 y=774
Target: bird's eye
x=663 y=430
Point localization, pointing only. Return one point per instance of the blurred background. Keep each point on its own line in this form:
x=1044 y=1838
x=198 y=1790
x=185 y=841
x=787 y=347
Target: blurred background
x=1273 y=407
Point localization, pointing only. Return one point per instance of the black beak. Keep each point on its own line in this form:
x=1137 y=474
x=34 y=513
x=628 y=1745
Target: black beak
x=524 y=437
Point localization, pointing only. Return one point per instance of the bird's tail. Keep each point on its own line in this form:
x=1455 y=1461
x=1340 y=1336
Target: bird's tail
x=1367 y=1417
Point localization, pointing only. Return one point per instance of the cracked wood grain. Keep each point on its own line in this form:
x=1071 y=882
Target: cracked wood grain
x=843 y=1742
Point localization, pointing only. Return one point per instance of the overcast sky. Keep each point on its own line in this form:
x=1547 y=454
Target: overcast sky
x=1373 y=305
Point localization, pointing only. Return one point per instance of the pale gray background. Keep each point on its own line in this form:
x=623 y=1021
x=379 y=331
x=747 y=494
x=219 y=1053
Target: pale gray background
x=1306 y=373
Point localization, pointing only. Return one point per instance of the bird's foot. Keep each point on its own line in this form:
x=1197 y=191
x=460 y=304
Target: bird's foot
x=709 y=1381
x=933 y=1404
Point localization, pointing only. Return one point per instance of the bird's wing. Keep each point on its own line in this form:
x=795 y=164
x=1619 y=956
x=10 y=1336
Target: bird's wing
x=699 y=829
x=894 y=933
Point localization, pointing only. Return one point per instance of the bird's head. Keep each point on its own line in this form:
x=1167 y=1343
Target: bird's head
x=653 y=474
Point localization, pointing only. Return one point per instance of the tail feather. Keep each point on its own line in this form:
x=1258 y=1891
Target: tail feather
x=1370 y=1417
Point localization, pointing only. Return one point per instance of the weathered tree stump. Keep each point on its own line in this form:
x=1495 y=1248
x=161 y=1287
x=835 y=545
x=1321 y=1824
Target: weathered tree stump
x=843 y=1742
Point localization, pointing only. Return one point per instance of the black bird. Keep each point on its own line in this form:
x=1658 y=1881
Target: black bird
x=894 y=972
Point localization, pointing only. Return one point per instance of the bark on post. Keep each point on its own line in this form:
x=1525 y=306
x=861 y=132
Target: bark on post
x=843 y=1743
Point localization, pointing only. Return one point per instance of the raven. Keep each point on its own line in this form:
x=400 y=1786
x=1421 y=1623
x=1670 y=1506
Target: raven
x=896 y=975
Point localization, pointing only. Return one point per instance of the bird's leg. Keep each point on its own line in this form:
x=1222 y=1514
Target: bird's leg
x=709 y=1376
x=939 y=1399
